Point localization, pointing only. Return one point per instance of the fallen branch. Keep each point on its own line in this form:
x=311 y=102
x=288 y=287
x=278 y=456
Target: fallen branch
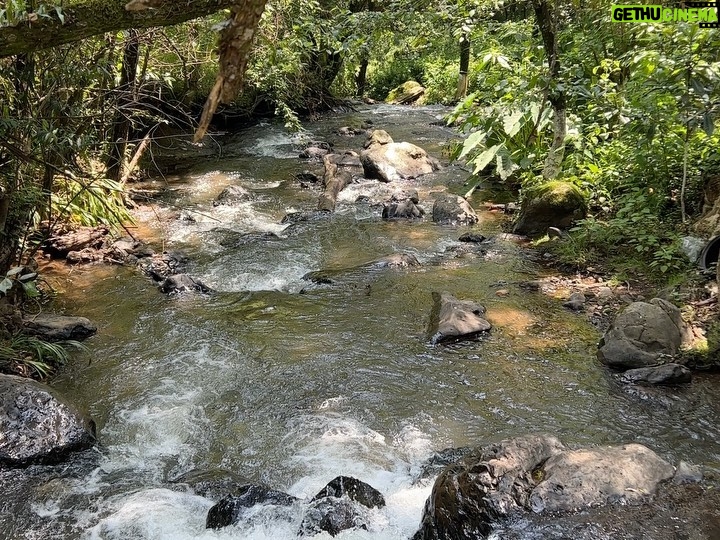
x=334 y=181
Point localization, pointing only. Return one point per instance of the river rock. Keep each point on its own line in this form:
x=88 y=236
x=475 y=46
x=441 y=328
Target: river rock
x=576 y=302
x=666 y=374
x=38 y=424
x=213 y=484
x=408 y=92
x=687 y=474
x=333 y=516
x=179 y=283
x=472 y=238
x=58 y=327
x=354 y=489
x=389 y=161
x=232 y=195
x=487 y=485
x=314 y=153
x=642 y=334
x=456 y=319
x=402 y=210
x=396 y=260
x=553 y=204
x=535 y=474
x=454 y=210
x=230 y=509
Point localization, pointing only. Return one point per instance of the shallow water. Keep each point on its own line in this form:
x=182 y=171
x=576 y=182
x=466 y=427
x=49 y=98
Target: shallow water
x=292 y=384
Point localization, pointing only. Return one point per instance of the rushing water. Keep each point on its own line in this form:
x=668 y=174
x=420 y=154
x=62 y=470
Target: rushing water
x=292 y=384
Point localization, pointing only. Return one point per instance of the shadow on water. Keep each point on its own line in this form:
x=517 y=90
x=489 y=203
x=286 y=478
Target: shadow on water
x=293 y=383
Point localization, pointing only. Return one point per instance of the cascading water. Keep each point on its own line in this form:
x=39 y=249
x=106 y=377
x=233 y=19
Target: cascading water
x=291 y=384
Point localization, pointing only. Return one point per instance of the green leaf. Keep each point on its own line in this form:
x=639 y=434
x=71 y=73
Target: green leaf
x=471 y=143
x=30 y=289
x=60 y=14
x=513 y=123
x=708 y=124
x=5 y=285
x=484 y=159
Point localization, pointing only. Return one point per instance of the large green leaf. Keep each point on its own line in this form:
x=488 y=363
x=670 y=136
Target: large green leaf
x=484 y=159
x=513 y=123
x=471 y=143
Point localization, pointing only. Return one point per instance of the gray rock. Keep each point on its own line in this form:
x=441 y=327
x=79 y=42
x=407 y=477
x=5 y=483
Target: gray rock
x=402 y=210
x=179 y=283
x=553 y=204
x=533 y=475
x=642 y=334
x=687 y=474
x=38 y=424
x=487 y=485
x=314 y=153
x=474 y=238
x=389 y=161
x=58 y=327
x=396 y=260
x=579 y=479
x=333 y=516
x=453 y=319
x=231 y=508
x=213 y=484
x=354 y=489
x=669 y=374
x=604 y=293
x=576 y=302
x=232 y=195
x=454 y=210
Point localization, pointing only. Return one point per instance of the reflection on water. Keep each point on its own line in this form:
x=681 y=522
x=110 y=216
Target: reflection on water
x=291 y=383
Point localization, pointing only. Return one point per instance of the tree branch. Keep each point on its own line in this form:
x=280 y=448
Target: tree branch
x=94 y=17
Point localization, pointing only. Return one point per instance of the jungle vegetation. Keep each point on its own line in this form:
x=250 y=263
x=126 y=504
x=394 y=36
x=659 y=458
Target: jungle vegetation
x=541 y=89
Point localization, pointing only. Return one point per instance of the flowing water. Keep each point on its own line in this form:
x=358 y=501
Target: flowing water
x=292 y=384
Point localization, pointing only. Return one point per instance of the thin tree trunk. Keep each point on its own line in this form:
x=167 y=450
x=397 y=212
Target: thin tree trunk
x=546 y=22
x=125 y=92
x=462 y=86
x=361 y=77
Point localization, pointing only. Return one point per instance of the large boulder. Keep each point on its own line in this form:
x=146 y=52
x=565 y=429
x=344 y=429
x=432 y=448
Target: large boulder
x=553 y=204
x=453 y=319
x=389 y=161
x=357 y=490
x=453 y=210
x=58 y=327
x=642 y=335
x=231 y=508
x=408 y=92
x=38 y=424
x=333 y=515
x=533 y=475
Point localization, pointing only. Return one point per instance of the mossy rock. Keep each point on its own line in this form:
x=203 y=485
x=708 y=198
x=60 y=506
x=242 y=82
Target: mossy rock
x=553 y=204
x=408 y=92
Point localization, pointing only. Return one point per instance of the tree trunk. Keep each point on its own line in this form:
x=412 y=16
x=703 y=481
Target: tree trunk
x=361 y=77
x=462 y=87
x=546 y=22
x=125 y=92
x=93 y=17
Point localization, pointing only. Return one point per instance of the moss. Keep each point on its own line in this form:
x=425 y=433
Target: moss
x=405 y=93
x=558 y=194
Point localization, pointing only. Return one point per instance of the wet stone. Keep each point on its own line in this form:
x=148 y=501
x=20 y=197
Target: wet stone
x=231 y=508
x=354 y=489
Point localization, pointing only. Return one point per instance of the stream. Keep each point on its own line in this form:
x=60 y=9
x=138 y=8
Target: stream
x=290 y=383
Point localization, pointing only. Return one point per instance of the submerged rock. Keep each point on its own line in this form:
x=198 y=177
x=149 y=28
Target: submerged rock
x=666 y=374
x=642 y=335
x=332 y=515
x=180 y=283
x=38 y=424
x=396 y=260
x=213 y=484
x=406 y=209
x=456 y=319
x=230 y=509
x=553 y=204
x=453 y=210
x=354 y=489
x=58 y=327
x=472 y=238
x=535 y=475
x=389 y=161
x=232 y=195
